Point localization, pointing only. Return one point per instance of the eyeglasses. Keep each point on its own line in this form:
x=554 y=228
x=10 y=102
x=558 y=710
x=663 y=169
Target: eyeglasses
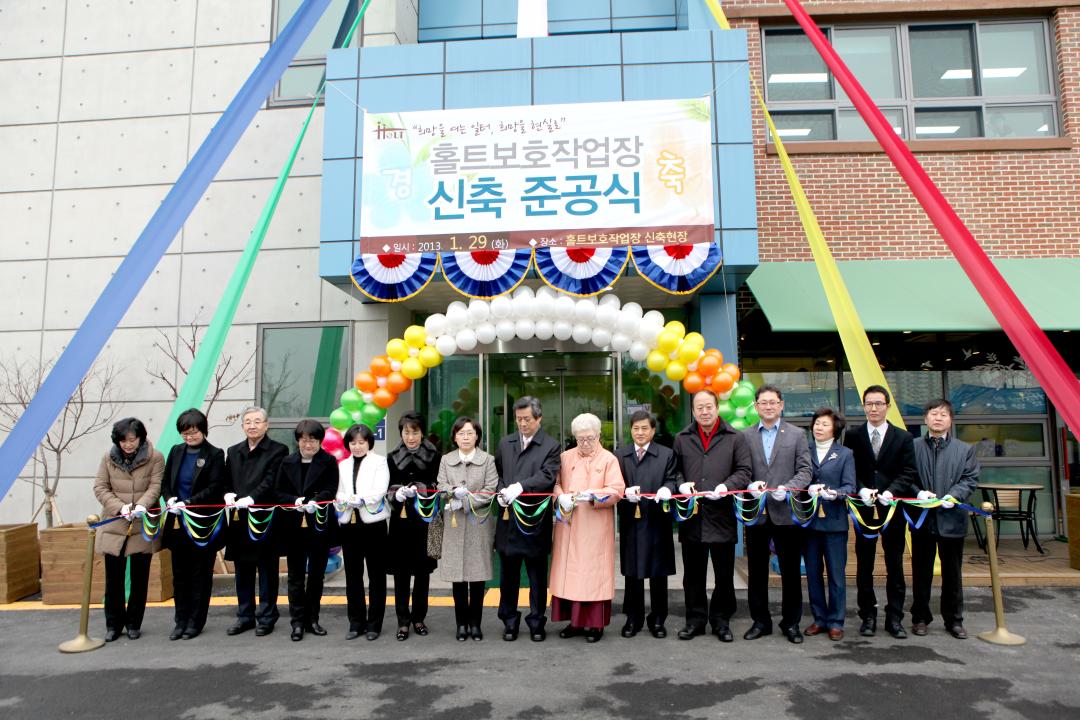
x=466 y=433
x=194 y=432
x=768 y=403
x=254 y=423
x=586 y=439
x=308 y=441
x=875 y=404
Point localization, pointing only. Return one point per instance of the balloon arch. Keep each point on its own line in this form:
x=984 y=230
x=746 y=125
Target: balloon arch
x=602 y=321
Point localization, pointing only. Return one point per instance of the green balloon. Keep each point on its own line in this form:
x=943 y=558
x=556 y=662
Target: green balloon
x=739 y=423
x=726 y=410
x=742 y=397
x=340 y=419
x=351 y=400
x=447 y=417
x=371 y=414
x=747 y=384
x=752 y=418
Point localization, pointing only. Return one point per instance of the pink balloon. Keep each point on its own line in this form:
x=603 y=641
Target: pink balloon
x=341 y=455
x=332 y=442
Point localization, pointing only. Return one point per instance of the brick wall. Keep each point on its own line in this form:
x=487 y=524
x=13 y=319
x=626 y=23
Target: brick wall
x=1016 y=203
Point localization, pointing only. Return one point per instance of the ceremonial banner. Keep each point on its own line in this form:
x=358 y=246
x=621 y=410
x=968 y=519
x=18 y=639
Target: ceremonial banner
x=580 y=175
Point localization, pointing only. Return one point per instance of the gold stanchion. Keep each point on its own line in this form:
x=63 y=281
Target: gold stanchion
x=83 y=642
x=1000 y=635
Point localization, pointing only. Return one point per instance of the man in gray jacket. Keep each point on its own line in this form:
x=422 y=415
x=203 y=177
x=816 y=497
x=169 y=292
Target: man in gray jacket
x=947 y=470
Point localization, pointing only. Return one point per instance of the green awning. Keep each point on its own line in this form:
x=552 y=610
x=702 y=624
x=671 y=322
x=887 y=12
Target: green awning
x=919 y=295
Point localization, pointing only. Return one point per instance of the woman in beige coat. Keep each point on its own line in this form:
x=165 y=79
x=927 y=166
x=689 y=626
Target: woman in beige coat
x=128 y=482
x=468 y=477
x=590 y=485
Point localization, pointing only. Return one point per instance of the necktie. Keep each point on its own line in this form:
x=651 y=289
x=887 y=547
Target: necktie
x=640 y=453
x=875 y=441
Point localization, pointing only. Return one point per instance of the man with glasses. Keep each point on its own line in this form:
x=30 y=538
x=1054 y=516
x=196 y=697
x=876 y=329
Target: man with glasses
x=780 y=455
x=252 y=467
x=527 y=462
x=884 y=469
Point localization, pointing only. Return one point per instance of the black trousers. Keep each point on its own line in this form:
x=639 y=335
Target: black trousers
x=118 y=614
x=699 y=608
x=787 y=540
x=634 y=601
x=307 y=562
x=419 y=594
x=892 y=546
x=536 y=566
x=362 y=543
x=951 y=551
x=468 y=603
x=267 y=567
x=193 y=583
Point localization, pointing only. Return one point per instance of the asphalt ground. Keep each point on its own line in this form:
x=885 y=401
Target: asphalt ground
x=436 y=677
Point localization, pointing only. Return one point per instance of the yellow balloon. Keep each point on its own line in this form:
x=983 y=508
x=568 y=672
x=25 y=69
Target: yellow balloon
x=695 y=338
x=688 y=353
x=667 y=341
x=416 y=336
x=676 y=327
x=676 y=371
x=656 y=361
x=412 y=368
x=396 y=349
x=429 y=357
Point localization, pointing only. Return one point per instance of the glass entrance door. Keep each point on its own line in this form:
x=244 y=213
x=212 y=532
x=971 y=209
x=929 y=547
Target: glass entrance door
x=567 y=384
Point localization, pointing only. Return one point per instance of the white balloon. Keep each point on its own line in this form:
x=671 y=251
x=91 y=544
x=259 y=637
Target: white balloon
x=653 y=317
x=740 y=412
x=692 y=367
x=381 y=382
x=395 y=365
x=479 y=311
x=606 y=315
x=522 y=307
x=543 y=305
x=524 y=291
x=457 y=316
x=632 y=308
x=504 y=330
x=562 y=330
x=627 y=322
x=485 y=334
x=501 y=307
x=544 y=329
x=367 y=397
x=435 y=324
x=430 y=340
x=620 y=342
x=545 y=291
x=601 y=337
x=648 y=333
x=725 y=395
x=525 y=329
x=639 y=350
x=610 y=299
x=465 y=339
x=584 y=312
x=582 y=333
x=564 y=307
x=413 y=352
x=446 y=345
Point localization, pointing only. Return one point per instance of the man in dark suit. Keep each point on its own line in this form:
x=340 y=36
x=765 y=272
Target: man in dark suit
x=884 y=469
x=646 y=544
x=780 y=456
x=710 y=457
x=527 y=462
x=252 y=466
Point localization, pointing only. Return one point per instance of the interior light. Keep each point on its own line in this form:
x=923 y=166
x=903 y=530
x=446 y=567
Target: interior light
x=936 y=129
x=876 y=343
x=1003 y=72
x=793 y=132
x=1043 y=128
x=957 y=74
x=797 y=78
x=907 y=332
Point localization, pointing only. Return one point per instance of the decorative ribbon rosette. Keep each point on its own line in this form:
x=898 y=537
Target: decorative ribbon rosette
x=581 y=271
x=677 y=269
x=391 y=277
x=485 y=273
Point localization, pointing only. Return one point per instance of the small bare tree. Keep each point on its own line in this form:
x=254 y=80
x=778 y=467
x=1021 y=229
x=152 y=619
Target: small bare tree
x=92 y=407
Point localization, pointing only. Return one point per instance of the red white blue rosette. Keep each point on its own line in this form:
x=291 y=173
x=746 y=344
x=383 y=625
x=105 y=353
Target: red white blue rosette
x=485 y=273
x=677 y=269
x=581 y=271
x=390 y=277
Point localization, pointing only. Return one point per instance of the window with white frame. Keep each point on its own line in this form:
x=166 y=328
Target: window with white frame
x=932 y=81
x=300 y=81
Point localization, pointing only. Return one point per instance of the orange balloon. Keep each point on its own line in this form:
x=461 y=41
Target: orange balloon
x=722 y=382
x=716 y=354
x=366 y=382
x=380 y=366
x=383 y=398
x=708 y=365
x=693 y=382
x=733 y=370
x=397 y=383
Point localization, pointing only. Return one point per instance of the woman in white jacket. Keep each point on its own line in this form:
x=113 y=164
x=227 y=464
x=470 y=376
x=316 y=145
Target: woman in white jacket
x=364 y=509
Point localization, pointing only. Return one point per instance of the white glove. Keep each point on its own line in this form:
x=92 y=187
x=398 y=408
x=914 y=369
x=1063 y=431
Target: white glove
x=756 y=488
x=780 y=493
x=410 y=490
x=948 y=502
x=662 y=494
x=139 y=511
x=867 y=496
x=503 y=502
x=885 y=498
x=460 y=493
x=926 y=495
x=716 y=492
x=174 y=506
x=456 y=505
x=586 y=496
x=510 y=493
x=400 y=495
x=687 y=488
x=815 y=489
x=633 y=494
x=246 y=501
x=354 y=500
x=566 y=502
x=298 y=502
x=829 y=493
x=311 y=507
x=230 y=499
x=126 y=511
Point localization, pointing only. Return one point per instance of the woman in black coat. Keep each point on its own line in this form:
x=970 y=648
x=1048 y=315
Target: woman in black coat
x=194 y=475
x=414 y=466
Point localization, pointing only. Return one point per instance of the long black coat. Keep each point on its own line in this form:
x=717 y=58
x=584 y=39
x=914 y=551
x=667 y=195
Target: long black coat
x=252 y=472
x=646 y=543
x=726 y=461
x=537 y=469
x=319 y=484
x=408 y=535
x=893 y=469
x=207 y=488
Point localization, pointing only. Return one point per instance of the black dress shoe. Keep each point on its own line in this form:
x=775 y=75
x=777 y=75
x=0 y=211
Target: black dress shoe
x=112 y=634
x=239 y=627
x=263 y=630
x=420 y=629
x=352 y=634
x=690 y=632
x=538 y=635
x=462 y=633
x=758 y=630
x=192 y=632
x=476 y=633
x=372 y=635
x=919 y=628
x=868 y=627
x=593 y=635
x=897 y=631
x=177 y=632
x=134 y=633
x=402 y=633
x=793 y=635
x=629 y=631
x=570 y=631
x=297 y=633
x=957 y=631
x=510 y=634
x=724 y=634
x=659 y=632
x=315 y=629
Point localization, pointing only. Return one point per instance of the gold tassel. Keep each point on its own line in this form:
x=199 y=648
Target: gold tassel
x=506 y=513
x=352 y=521
x=235 y=515
x=402 y=515
x=176 y=522
x=696 y=504
x=303 y=521
x=453 y=519
x=820 y=508
x=637 y=512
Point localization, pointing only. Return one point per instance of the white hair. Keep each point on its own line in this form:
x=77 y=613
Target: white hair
x=585 y=422
x=252 y=410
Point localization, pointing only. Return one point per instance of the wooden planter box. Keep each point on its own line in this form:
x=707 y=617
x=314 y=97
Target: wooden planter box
x=63 y=558
x=1072 y=519
x=19 y=562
